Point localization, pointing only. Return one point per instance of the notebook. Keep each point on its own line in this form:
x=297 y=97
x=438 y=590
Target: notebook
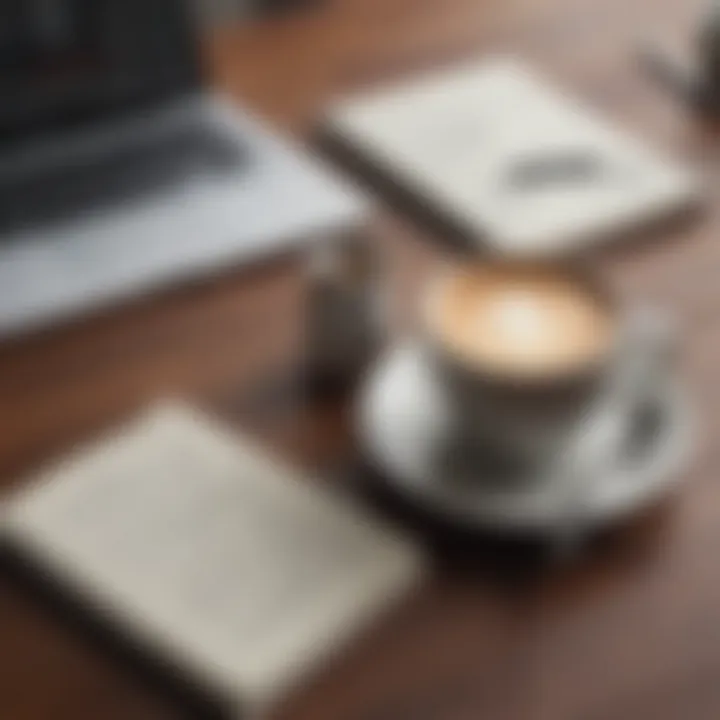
x=496 y=153
x=226 y=563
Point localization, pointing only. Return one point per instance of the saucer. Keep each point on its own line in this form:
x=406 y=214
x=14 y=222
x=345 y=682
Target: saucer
x=403 y=422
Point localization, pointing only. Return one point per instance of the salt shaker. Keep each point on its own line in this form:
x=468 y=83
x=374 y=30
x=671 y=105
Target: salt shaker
x=343 y=309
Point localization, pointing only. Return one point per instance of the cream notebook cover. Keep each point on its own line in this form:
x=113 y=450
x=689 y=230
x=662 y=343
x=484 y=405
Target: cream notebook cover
x=219 y=558
x=493 y=149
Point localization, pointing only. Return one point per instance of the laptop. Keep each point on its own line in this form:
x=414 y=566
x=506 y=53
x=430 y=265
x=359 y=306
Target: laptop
x=120 y=171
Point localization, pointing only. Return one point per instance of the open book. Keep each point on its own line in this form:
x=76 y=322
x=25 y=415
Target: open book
x=234 y=569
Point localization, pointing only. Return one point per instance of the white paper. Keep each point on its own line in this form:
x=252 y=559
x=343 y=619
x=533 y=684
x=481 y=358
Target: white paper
x=235 y=567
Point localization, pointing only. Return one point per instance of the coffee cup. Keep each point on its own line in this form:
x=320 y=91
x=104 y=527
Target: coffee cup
x=524 y=351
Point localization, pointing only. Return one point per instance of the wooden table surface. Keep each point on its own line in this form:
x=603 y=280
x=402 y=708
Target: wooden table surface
x=631 y=631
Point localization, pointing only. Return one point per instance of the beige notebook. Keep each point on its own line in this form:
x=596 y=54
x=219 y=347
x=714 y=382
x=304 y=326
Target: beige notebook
x=218 y=557
x=493 y=151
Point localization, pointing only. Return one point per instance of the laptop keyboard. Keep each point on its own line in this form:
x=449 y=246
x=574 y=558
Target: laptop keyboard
x=128 y=175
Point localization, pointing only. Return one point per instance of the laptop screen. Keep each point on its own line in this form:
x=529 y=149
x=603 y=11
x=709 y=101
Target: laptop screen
x=69 y=60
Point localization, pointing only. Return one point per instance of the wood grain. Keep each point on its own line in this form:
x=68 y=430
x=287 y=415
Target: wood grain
x=629 y=632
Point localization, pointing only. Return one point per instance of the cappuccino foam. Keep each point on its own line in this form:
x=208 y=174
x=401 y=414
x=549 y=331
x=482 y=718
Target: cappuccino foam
x=522 y=322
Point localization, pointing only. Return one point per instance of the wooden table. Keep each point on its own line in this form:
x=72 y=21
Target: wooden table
x=629 y=632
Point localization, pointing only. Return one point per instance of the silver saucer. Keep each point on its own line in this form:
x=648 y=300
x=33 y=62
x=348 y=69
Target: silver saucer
x=404 y=428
